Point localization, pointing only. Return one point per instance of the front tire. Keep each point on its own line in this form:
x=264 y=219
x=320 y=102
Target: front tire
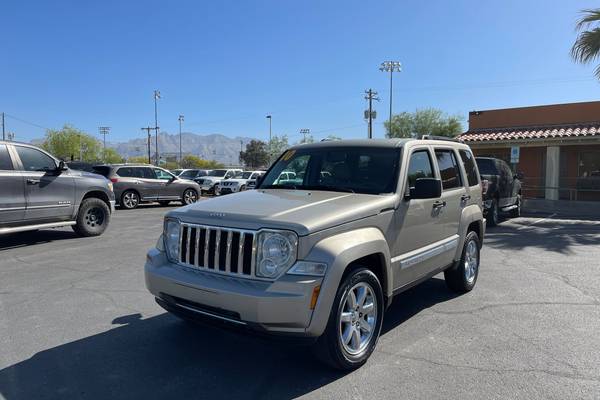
x=354 y=322
x=493 y=216
x=190 y=196
x=462 y=277
x=93 y=217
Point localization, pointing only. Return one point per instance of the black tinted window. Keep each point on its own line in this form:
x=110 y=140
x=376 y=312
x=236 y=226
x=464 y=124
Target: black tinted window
x=35 y=160
x=5 y=161
x=419 y=167
x=486 y=166
x=125 y=172
x=469 y=163
x=102 y=170
x=449 y=171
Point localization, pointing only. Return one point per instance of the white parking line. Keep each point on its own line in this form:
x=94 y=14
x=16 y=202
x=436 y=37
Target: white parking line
x=537 y=221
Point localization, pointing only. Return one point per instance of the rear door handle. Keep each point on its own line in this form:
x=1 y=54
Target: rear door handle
x=32 y=181
x=465 y=197
x=439 y=204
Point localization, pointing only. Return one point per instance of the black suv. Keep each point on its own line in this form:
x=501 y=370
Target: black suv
x=38 y=191
x=137 y=183
x=501 y=189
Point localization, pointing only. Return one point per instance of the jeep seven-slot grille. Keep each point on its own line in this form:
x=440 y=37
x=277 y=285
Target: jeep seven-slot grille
x=210 y=248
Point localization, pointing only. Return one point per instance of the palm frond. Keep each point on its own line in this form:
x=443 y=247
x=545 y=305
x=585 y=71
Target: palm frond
x=589 y=17
x=587 y=46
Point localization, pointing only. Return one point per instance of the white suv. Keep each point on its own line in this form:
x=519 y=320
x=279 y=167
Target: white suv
x=239 y=183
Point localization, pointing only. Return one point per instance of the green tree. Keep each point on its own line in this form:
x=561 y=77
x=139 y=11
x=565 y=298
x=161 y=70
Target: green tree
x=110 y=156
x=256 y=154
x=428 y=121
x=138 y=160
x=587 y=45
x=66 y=143
x=191 y=161
x=277 y=146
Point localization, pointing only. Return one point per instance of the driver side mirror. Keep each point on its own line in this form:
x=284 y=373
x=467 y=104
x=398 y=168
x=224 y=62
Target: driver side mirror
x=426 y=188
x=519 y=176
x=61 y=166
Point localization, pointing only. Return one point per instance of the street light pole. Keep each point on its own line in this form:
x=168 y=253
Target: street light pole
x=104 y=130
x=391 y=67
x=156 y=97
x=270 y=137
x=180 y=119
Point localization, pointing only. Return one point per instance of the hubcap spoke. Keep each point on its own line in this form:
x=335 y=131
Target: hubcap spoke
x=346 y=317
x=358 y=318
x=367 y=308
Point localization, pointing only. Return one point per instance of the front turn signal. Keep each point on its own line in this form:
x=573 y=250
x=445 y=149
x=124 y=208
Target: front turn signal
x=315 y=297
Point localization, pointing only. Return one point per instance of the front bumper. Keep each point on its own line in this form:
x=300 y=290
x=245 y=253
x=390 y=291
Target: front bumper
x=281 y=307
x=228 y=189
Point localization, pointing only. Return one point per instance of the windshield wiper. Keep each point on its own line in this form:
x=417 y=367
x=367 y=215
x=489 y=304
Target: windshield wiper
x=330 y=188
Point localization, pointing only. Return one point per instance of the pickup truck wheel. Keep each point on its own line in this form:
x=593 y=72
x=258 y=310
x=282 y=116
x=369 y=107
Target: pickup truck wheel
x=493 y=214
x=354 y=322
x=516 y=212
x=189 y=196
x=93 y=217
x=463 y=276
x=130 y=199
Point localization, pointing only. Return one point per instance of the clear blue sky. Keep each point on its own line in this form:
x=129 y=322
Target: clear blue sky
x=227 y=64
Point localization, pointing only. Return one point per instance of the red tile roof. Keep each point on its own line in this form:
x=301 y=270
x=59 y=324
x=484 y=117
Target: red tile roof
x=532 y=132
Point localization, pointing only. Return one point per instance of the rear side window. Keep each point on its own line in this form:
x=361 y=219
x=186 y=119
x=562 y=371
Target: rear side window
x=469 y=163
x=419 y=167
x=104 y=171
x=5 y=161
x=486 y=166
x=448 y=169
x=35 y=160
x=125 y=172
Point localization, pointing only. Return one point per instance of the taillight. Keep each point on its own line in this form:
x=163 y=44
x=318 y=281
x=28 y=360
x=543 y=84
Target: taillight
x=485 y=184
x=114 y=180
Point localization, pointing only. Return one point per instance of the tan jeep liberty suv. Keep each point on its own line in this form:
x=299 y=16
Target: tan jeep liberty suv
x=321 y=256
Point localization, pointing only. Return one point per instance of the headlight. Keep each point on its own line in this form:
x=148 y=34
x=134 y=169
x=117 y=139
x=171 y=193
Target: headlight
x=276 y=252
x=171 y=238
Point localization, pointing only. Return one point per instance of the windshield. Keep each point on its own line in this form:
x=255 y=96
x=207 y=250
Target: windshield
x=177 y=171
x=371 y=170
x=486 y=166
x=246 y=175
x=188 y=174
x=217 y=172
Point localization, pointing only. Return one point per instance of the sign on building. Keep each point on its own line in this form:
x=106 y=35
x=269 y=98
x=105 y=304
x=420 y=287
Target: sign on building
x=514 y=154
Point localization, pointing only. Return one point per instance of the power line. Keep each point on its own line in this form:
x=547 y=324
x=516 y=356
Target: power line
x=26 y=122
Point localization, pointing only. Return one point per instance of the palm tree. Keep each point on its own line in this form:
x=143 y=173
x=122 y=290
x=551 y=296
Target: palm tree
x=587 y=46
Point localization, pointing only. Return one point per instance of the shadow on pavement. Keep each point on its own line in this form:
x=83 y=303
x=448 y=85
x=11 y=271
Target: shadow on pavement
x=23 y=239
x=558 y=235
x=162 y=357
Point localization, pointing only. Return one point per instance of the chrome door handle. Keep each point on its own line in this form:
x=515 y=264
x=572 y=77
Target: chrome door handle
x=439 y=204
x=465 y=197
x=33 y=181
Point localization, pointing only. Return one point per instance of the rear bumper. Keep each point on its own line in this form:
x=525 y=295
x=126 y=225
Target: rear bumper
x=279 y=307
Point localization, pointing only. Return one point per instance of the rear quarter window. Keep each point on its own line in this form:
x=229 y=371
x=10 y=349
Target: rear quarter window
x=5 y=161
x=101 y=170
x=486 y=166
x=469 y=163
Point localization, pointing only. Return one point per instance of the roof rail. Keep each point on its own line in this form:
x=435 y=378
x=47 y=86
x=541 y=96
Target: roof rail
x=434 y=137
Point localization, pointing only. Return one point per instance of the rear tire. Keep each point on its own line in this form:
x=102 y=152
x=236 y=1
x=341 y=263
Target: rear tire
x=462 y=277
x=93 y=217
x=189 y=196
x=130 y=199
x=359 y=320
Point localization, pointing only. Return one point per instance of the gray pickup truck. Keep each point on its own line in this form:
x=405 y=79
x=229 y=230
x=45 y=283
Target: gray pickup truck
x=321 y=255
x=37 y=191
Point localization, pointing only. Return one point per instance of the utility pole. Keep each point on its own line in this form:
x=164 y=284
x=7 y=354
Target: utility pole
x=370 y=95
x=304 y=132
x=241 y=149
x=3 y=133
x=148 y=129
x=180 y=119
x=391 y=67
x=104 y=130
x=156 y=97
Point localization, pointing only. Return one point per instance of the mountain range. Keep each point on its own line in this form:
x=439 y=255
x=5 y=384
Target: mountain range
x=210 y=147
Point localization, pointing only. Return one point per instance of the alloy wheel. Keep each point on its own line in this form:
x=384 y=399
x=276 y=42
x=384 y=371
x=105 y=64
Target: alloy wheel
x=358 y=318
x=190 y=197
x=471 y=262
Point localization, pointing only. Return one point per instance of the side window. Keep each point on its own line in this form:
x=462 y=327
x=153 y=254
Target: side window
x=125 y=172
x=419 y=167
x=469 y=163
x=160 y=174
x=35 y=160
x=5 y=161
x=146 y=173
x=448 y=169
x=228 y=175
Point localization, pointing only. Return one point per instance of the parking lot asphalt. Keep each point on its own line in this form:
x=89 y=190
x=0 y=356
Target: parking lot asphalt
x=76 y=322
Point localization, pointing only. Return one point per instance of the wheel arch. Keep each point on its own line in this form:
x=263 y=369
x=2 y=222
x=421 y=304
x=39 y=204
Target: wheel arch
x=98 y=194
x=364 y=247
x=471 y=220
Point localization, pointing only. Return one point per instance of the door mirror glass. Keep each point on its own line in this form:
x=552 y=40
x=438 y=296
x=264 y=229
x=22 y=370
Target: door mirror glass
x=519 y=176
x=61 y=166
x=426 y=188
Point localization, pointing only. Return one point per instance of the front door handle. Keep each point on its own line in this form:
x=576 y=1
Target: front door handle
x=439 y=204
x=465 y=197
x=33 y=181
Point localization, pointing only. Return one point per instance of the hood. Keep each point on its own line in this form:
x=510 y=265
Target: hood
x=302 y=211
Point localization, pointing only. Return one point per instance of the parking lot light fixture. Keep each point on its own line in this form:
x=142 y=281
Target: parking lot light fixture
x=391 y=67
